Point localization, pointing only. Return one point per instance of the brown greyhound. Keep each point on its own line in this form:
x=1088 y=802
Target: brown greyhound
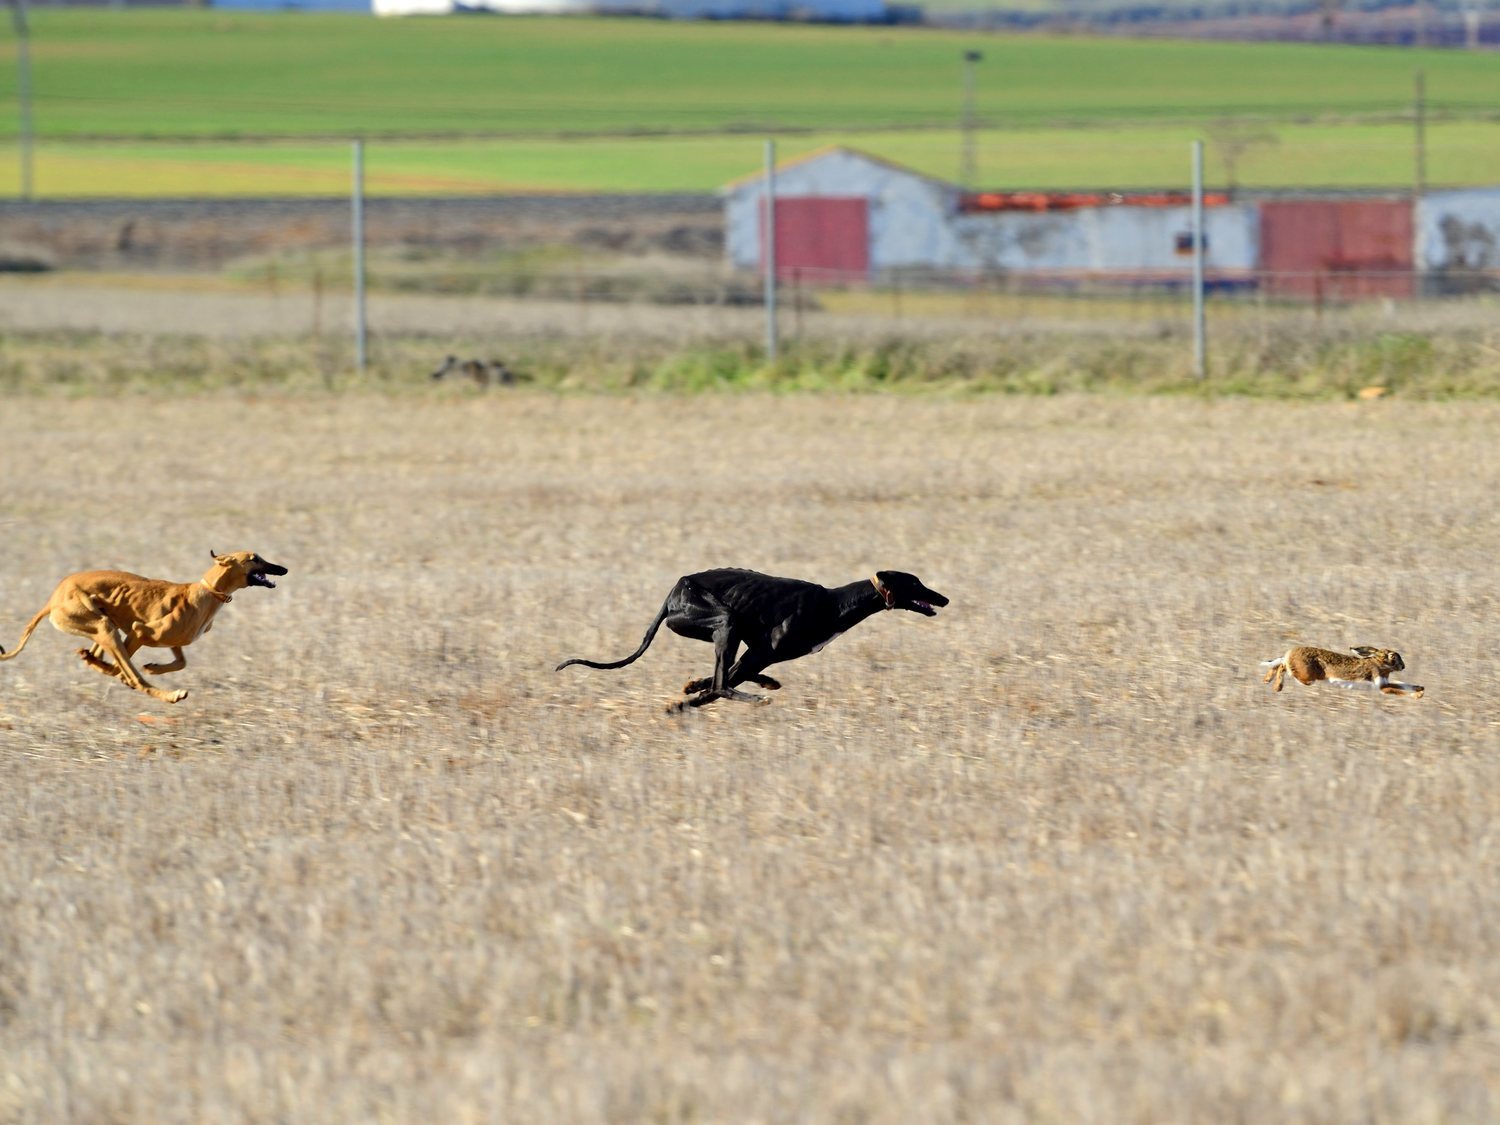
x=119 y=613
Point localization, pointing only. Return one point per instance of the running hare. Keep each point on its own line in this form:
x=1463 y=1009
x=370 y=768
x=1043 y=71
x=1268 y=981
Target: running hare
x=482 y=371
x=1367 y=665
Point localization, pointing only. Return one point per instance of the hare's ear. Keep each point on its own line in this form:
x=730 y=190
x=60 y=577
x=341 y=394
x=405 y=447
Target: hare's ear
x=1364 y=650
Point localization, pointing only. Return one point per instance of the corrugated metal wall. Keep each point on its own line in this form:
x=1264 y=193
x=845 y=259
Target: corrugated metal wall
x=1337 y=249
x=1123 y=241
x=821 y=239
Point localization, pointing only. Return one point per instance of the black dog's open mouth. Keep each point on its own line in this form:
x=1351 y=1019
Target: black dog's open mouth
x=924 y=608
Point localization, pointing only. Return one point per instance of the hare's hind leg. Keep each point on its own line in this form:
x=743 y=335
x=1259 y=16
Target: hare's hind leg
x=1275 y=670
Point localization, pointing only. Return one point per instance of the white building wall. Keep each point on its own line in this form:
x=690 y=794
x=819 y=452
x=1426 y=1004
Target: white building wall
x=1106 y=239
x=1459 y=229
x=910 y=215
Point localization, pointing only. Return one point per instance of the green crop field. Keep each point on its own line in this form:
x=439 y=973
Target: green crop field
x=505 y=104
x=1355 y=155
x=206 y=74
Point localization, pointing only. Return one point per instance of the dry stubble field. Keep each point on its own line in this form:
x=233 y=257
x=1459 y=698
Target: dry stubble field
x=1056 y=855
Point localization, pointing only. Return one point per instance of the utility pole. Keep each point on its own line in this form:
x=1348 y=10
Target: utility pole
x=768 y=250
x=966 y=162
x=1419 y=115
x=1419 y=178
x=23 y=91
x=357 y=199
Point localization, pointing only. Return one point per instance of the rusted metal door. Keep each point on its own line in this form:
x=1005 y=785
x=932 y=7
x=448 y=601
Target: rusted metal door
x=1337 y=250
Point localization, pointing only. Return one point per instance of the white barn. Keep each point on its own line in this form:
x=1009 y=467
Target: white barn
x=842 y=214
x=844 y=211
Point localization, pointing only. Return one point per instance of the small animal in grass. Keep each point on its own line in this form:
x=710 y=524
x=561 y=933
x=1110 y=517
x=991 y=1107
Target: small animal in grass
x=1368 y=665
x=482 y=371
x=776 y=619
x=120 y=613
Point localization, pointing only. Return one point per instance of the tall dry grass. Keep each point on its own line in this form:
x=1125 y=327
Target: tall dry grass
x=1057 y=855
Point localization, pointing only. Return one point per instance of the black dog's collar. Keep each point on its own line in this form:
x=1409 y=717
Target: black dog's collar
x=884 y=591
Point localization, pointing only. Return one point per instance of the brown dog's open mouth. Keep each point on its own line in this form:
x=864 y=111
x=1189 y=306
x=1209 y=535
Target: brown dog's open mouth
x=261 y=577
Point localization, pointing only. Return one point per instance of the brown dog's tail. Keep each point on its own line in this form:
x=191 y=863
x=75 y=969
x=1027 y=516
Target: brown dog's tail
x=25 y=634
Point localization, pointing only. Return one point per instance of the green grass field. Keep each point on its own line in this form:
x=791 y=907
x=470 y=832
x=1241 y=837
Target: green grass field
x=206 y=74
x=561 y=104
x=1356 y=155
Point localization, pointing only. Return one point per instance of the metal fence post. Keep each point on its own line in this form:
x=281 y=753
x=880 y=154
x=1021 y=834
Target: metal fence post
x=358 y=208
x=768 y=251
x=1200 y=326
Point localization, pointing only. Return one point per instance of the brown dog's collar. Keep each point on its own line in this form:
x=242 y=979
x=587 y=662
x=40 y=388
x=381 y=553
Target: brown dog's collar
x=215 y=593
x=884 y=591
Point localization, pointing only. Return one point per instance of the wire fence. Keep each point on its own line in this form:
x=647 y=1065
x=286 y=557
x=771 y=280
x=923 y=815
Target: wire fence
x=476 y=266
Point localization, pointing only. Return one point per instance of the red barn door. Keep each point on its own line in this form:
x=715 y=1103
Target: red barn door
x=1337 y=249
x=820 y=239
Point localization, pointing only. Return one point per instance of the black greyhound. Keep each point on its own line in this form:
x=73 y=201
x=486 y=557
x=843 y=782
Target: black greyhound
x=777 y=619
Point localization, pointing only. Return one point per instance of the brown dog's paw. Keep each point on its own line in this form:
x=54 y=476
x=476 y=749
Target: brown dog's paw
x=177 y=696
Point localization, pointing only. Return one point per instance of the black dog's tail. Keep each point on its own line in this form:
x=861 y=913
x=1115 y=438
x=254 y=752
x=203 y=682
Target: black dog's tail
x=634 y=656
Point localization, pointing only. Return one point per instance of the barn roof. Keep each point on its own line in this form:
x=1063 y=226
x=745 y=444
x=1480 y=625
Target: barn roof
x=830 y=150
